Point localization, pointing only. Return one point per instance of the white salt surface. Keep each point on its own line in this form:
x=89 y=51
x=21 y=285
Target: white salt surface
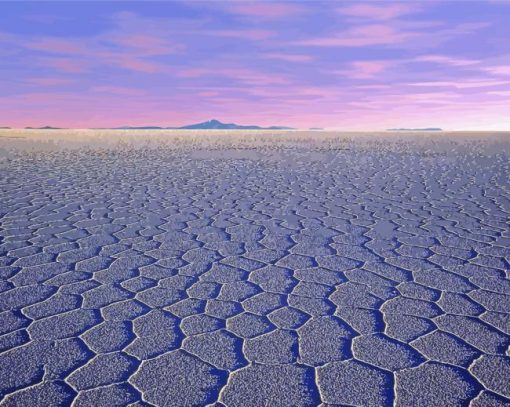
x=254 y=268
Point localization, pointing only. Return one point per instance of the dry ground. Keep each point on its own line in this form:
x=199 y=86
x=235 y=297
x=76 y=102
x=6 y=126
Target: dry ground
x=254 y=268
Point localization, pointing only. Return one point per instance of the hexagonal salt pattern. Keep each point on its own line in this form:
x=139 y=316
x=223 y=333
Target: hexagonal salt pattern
x=357 y=274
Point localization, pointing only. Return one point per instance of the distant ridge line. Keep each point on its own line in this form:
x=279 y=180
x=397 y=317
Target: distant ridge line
x=208 y=125
x=418 y=129
x=44 y=128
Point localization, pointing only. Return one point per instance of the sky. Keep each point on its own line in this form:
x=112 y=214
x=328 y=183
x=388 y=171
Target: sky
x=353 y=65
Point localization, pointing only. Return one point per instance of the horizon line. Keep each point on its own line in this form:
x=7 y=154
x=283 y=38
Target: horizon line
x=402 y=130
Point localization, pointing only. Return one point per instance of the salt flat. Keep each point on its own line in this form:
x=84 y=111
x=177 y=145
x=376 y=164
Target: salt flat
x=278 y=268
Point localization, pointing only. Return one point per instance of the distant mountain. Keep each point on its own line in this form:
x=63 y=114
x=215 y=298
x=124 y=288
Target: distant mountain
x=44 y=128
x=423 y=129
x=4 y=127
x=217 y=125
x=208 y=125
x=316 y=128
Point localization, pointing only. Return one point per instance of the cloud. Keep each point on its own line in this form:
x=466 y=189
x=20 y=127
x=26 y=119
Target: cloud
x=499 y=70
x=413 y=35
x=373 y=87
x=431 y=97
x=377 y=12
x=68 y=65
x=288 y=57
x=264 y=9
x=131 y=62
x=499 y=93
x=294 y=93
x=144 y=44
x=361 y=36
x=128 y=45
x=118 y=90
x=254 y=35
x=244 y=75
x=57 y=46
x=49 y=81
x=192 y=72
x=81 y=60
x=364 y=69
x=443 y=59
x=208 y=93
x=466 y=84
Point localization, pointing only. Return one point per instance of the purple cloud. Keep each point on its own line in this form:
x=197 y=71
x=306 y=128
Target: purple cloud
x=444 y=59
x=362 y=36
x=265 y=9
x=288 y=57
x=364 y=69
x=376 y=11
x=254 y=35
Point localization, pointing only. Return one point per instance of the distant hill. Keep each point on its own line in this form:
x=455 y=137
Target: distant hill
x=44 y=128
x=208 y=125
x=217 y=125
x=422 y=129
x=316 y=128
x=4 y=127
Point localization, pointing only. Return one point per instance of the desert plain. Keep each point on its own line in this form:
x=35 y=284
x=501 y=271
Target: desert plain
x=254 y=268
